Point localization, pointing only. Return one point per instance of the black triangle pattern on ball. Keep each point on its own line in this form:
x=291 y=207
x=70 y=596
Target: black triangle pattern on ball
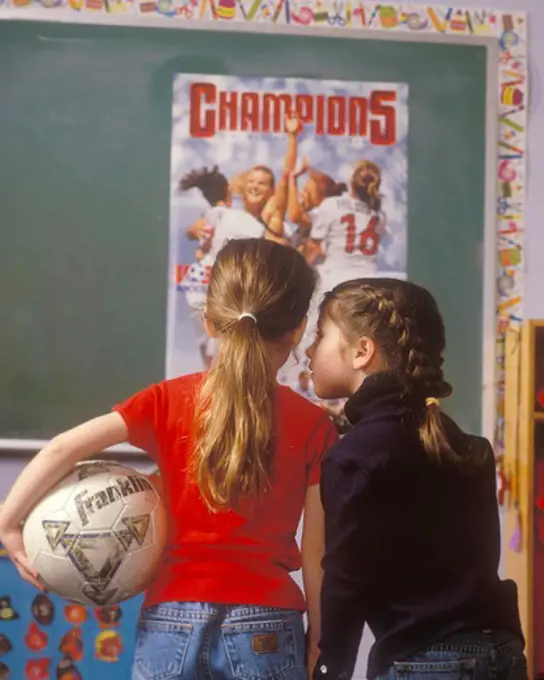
x=138 y=526
x=98 y=596
x=81 y=547
x=55 y=531
x=90 y=468
x=86 y=545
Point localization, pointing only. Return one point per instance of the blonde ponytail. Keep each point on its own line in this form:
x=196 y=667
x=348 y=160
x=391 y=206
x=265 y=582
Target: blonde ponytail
x=259 y=291
x=236 y=419
x=433 y=435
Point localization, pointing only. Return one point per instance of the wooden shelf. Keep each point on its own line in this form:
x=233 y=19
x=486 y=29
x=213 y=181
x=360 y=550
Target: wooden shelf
x=524 y=458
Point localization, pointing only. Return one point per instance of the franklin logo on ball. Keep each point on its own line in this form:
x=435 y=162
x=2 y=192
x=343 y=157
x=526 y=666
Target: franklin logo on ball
x=124 y=487
x=98 y=536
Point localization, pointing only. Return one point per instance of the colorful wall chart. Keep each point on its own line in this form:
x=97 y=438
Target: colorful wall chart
x=43 y=637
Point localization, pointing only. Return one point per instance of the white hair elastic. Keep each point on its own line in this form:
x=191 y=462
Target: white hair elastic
x=247 y=315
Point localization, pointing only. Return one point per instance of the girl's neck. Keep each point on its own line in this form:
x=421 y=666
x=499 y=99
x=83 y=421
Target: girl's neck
x=381 y=390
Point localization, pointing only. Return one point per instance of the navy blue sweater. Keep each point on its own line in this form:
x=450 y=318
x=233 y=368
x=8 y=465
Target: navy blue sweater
x=412 y=546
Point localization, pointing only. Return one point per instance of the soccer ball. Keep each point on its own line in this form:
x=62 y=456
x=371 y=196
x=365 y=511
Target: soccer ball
x=195 y=286
x=198 y=275
x=97 y=538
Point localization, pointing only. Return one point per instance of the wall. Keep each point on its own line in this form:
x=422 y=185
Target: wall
x=534 y=237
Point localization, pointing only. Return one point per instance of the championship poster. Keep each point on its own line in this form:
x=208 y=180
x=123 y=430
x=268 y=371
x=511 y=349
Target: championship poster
x=321 y=165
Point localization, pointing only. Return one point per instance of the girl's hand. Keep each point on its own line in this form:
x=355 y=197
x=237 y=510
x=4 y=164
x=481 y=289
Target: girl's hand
x=293 y=124
x=12 y=540
x=200 y=230
x=47 y=469
x=303 y=168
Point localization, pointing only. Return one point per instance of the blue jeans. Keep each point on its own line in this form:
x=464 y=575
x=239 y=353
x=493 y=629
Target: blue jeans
x=474 y=655
x=183 y=640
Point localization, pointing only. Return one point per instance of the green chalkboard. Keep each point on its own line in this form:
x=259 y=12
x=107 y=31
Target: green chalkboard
x=85 y=122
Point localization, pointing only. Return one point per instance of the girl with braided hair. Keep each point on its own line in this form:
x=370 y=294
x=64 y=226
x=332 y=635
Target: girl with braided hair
x=411 y=520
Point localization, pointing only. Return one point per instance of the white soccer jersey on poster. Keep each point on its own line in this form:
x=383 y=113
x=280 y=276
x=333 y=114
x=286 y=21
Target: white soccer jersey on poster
x=350 y=234
x=228 y=223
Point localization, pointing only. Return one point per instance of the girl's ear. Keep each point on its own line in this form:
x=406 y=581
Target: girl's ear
x=365 y=351
x=210 y=328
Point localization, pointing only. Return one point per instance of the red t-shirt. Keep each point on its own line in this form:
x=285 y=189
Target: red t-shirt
x=228 y=557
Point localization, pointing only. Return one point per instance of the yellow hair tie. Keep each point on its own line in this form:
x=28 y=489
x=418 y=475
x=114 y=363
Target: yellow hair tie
x=432 y=401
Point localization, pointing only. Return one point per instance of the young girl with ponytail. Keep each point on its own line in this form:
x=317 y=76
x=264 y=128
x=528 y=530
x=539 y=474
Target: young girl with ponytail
x=239 y=459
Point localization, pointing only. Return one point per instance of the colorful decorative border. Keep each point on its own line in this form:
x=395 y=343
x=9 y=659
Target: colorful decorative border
x=510 y=29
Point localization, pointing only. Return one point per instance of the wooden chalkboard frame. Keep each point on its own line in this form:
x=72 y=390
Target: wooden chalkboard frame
x=503 y=34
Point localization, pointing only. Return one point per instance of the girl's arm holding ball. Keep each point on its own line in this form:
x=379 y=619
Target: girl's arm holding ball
x=44 y=471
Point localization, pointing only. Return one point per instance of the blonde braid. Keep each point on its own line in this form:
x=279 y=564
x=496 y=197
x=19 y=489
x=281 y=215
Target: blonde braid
x=397 y=325
x=396 y=333
x=422 y=372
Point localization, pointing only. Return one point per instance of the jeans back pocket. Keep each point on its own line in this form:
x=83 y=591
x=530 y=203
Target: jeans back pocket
x=263 y=650
x=161 y=648
x=439 y=669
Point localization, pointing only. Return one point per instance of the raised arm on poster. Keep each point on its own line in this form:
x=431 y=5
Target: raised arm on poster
x=318 y=186
x=272 y=214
